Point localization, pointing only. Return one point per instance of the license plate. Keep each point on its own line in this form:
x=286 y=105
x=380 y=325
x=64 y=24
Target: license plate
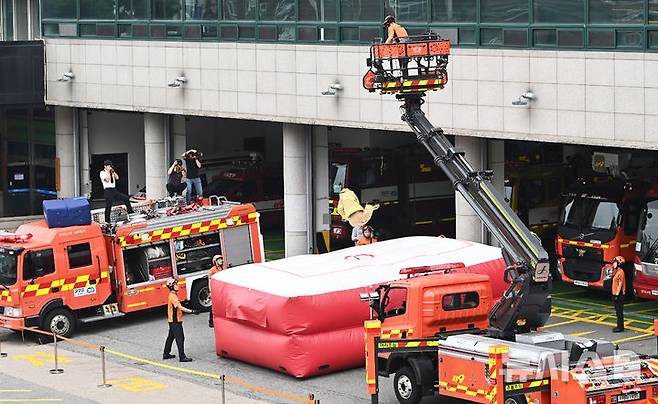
x=110 y=309
x=624 y=398
x=581 y=283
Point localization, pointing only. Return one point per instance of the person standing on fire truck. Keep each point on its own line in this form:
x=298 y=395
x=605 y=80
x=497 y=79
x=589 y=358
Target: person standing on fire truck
x=618 y=290
x=217 y=266
x=109 y=179
x=175 y=312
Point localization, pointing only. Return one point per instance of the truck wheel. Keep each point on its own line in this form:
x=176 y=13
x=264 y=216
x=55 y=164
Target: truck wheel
x=59 y=321
x=516 y=400
x=407 y=390
x=200 y=298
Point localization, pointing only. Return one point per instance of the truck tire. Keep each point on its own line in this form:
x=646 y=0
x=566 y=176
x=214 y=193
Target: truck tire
x=200 y=296
x=516 y=400
x=407 y=390
x=59 y=321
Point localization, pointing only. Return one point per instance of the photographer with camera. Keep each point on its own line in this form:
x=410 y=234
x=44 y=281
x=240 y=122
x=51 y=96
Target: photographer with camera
x=109 y=179
x=176 y=178
x=193 y=165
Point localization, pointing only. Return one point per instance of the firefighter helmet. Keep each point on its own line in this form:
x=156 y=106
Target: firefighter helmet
x=619 y=259
x=171 y=282
x=216 y=257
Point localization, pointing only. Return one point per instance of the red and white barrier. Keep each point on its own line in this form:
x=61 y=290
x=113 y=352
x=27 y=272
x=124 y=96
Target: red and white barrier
x=303 y=316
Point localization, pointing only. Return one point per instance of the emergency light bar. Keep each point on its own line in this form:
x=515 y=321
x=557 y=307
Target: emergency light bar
x=14 y=237
x=431 y=268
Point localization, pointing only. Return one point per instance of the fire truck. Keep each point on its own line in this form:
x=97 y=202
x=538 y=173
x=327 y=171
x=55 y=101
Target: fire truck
x=56 y=278
x=645 y=281
x=439 y=331
x=247 y=179
x=598 y=221
x=407 y=188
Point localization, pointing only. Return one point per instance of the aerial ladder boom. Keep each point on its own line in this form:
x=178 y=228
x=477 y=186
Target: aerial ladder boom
x=409 y=70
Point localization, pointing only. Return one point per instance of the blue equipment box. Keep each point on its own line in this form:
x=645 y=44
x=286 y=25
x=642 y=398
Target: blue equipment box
x=67 y=212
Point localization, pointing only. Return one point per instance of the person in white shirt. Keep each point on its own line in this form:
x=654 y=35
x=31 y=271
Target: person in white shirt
x=109 y=180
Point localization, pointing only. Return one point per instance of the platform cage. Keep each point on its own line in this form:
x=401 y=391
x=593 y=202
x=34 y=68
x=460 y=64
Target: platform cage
x=411 y=65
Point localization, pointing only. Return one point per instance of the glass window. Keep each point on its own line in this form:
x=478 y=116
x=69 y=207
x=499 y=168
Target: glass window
x=309 y=34
x=505 y=11
x=166 y=10
x=8 y=20
x=570 y=38
x=460 y=301
x=276 y=10
x=395 y=302
x=38 y=263
x=360 y=10
x=339 y=173
x=601 y=39
x=8 y=267
x=559 y=11
x=586 y=213
x=59 y=8
x=407 y=10
x=516 y=37
x=454 y=10
x=133 y=9
x=491 y=36
x=97 y=9
x=201 y=9
x=630 y=39
x=79 y=255
x=653 y=11
x=466 y=36
x=311 y=10
x=616 y=11
x=545 y=37
x=239 y=9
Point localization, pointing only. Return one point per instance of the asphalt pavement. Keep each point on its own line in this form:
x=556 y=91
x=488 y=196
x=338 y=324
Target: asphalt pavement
x=138 y=341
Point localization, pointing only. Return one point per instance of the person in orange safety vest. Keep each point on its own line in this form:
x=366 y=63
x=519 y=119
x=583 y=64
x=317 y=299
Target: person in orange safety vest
x=175 y=312
x=368 y=236
x=618 y=290
x=218 y=266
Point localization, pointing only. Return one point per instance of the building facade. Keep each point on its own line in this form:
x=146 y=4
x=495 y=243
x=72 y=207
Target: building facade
x=142 y=73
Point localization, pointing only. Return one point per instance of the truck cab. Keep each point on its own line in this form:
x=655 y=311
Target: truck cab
x=645 y=281
x=598 y=221
x=45 y=274
x=432 y=303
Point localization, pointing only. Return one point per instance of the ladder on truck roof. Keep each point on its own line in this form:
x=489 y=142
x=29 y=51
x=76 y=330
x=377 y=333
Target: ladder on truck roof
x=409 y=70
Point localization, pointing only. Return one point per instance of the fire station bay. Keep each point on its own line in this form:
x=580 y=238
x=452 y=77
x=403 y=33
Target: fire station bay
x=559 y=98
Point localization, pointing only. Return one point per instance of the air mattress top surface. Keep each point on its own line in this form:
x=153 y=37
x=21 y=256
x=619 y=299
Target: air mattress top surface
x=354 y=267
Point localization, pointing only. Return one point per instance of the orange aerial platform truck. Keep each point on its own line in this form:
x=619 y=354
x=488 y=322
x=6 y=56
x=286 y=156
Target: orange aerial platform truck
x=55 y=278
x=438 y=331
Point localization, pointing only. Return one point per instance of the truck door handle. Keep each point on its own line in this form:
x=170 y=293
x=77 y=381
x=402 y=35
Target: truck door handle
x=92 y=281
x=55 y=290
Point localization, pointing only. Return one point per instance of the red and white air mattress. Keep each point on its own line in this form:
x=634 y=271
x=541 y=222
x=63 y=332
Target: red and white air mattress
x=303 y=316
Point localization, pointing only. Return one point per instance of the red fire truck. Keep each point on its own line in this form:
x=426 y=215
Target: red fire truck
x=407 y=187
x=54 y=278
x=645 y=281
x=598 y=221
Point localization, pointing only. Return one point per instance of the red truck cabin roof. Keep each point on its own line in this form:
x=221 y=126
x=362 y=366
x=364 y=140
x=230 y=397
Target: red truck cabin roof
x=44 y=236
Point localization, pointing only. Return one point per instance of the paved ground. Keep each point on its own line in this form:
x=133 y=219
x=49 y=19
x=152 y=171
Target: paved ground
x=139 y=339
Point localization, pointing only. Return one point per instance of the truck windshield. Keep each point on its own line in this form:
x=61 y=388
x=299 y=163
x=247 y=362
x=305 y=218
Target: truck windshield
x=648 y=234
x=8 y=266
x=338 y=174
x=588 y=213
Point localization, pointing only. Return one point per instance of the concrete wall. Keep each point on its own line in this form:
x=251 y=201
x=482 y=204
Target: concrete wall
x=606 y=98
x=120 y=132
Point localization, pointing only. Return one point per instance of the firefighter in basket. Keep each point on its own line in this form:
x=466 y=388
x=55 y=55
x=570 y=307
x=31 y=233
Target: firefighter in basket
x=175 y=312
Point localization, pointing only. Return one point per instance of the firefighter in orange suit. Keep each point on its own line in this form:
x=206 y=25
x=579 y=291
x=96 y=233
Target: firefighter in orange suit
x=618 y=290
x=175 y=312
x=218 y=265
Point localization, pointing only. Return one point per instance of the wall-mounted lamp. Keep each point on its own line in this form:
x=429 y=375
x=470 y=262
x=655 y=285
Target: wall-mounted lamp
x=68 y=76
x=524 y=99
x=332 y=89
x=178 y=81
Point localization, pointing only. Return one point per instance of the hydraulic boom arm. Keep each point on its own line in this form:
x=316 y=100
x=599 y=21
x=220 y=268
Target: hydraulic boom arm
x=526 y=304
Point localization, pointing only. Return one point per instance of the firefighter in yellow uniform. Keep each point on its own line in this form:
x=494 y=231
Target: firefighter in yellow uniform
x=175 y=312
x=618 y=290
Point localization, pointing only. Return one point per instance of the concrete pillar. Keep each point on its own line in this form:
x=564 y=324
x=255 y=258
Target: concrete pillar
x=468 y=225
x=64 y=150
x=322 y=217
x=85 y=160
x=178 y=136
x=296 y=189
x=496 y=162
x=154 y=155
